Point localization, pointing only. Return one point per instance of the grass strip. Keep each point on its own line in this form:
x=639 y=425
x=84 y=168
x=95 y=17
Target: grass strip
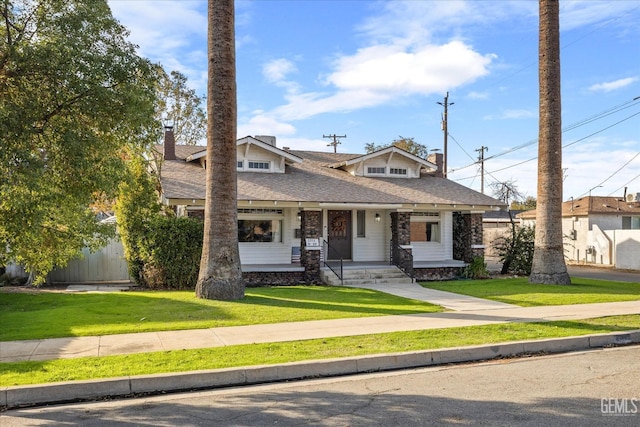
x=520 y=292
x=22 y=373
x=41 y=315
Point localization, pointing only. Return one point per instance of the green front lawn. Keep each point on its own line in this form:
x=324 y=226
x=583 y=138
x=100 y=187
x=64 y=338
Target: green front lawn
x=21 y=373
x=518 y=291
x=51 y=315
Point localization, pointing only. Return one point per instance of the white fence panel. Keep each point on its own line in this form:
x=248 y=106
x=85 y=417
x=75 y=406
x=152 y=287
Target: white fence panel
x=105 y=265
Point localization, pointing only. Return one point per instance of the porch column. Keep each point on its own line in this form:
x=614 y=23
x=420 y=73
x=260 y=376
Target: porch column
x=310 y=222
x=401 y=236
x=477 y=241
x=467 y=236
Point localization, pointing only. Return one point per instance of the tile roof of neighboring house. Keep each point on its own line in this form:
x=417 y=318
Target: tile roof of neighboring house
x=593 y=205
x=313 y=181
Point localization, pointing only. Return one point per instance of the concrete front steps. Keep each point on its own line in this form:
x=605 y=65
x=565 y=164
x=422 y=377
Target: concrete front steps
x=388 y=274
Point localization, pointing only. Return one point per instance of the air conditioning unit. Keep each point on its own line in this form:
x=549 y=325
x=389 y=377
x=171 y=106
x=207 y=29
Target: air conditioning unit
x=633 y=197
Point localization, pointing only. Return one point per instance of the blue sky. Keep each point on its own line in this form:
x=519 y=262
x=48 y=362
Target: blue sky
x=375 y=70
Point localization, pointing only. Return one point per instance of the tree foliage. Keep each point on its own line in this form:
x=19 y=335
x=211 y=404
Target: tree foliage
x=528 y=203
x=74 y=99
x=407 y=144
x=136 y=205
x=516 y=250
x=180 y=107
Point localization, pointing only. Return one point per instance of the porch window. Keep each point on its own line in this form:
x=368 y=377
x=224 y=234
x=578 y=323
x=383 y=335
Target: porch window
x=425 y=227
x=361 y=218
x=259 y=230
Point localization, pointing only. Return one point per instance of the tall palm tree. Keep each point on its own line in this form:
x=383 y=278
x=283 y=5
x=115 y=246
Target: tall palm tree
x=220 y=274
x=548 y=256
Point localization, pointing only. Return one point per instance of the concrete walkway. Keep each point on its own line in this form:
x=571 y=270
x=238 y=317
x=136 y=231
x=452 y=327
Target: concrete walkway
x=444 y=299
x=467 y=311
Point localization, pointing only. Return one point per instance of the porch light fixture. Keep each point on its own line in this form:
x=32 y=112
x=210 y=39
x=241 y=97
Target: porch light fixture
x=378 y=217
x=299 y=217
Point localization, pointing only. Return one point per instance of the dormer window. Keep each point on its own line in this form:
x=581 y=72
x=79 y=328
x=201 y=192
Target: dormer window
x=371 y=170
x=398 y=171
x=265 y=166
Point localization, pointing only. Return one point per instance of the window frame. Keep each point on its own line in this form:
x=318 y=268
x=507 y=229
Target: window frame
x=266 y=163
x=361 y=223
x=431 y=220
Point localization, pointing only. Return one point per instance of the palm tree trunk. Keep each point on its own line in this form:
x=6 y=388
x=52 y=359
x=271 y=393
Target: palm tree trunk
x=220 y=274
x=548 y=257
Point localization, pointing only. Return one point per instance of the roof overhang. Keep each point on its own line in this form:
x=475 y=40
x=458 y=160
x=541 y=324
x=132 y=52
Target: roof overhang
x=385 y=151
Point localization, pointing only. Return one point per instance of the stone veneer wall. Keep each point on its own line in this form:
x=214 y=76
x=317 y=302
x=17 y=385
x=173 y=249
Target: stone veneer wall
x=400 y=236
x=310 y=222
x=476 y=235
x=254 y=279
x=437 y=273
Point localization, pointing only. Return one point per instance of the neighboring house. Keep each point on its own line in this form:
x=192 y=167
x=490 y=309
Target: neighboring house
x=384 y=207
x=600 y=230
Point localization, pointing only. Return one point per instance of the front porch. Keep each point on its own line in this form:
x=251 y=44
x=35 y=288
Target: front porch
x=294 y=273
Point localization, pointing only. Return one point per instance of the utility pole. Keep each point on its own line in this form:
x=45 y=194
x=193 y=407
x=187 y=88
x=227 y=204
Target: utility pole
x=481 y=150
x=335 y=141
x=445 y=104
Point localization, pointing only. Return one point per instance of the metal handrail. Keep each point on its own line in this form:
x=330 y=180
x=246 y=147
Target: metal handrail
x=326 y=249
x=403 y=259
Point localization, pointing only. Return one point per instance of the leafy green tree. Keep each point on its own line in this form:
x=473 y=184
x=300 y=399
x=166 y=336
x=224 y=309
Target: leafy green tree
x=179 y=106
x=75 y=98
x=528 y=203
x=407 y=144
x=136 y=205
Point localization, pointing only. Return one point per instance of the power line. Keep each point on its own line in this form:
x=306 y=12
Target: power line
x=613 y=174
x=624 y=185
x=335 y=141
x=564 y=146
x=603 y=114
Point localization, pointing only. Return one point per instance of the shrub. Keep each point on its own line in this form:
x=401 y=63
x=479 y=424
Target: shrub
x=170 y=252
x=516 y=250
x=476 y=269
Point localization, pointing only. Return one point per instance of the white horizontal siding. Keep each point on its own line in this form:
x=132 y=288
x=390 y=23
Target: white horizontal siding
x=374 y=246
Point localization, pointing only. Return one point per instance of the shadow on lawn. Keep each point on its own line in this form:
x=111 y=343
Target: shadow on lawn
x=51 y=315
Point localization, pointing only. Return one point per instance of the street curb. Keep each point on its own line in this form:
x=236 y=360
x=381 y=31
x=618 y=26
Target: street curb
x=73 y=391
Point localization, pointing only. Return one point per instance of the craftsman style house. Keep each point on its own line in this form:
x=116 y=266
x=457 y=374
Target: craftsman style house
x=298 y=209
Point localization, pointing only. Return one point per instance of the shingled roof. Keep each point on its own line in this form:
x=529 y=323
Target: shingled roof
x=593 y=205
x=312 y=180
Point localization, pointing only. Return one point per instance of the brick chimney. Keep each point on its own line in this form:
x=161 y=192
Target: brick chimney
x=169 y=147
x=437 y=159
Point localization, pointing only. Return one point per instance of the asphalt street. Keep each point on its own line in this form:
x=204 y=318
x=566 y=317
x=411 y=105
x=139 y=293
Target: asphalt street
x=592 y=388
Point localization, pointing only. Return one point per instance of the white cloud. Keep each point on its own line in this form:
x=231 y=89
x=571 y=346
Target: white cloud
x=478 y=95
x=277 y=70
x=614 y=85
x=261 y=123
x=512 y=115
